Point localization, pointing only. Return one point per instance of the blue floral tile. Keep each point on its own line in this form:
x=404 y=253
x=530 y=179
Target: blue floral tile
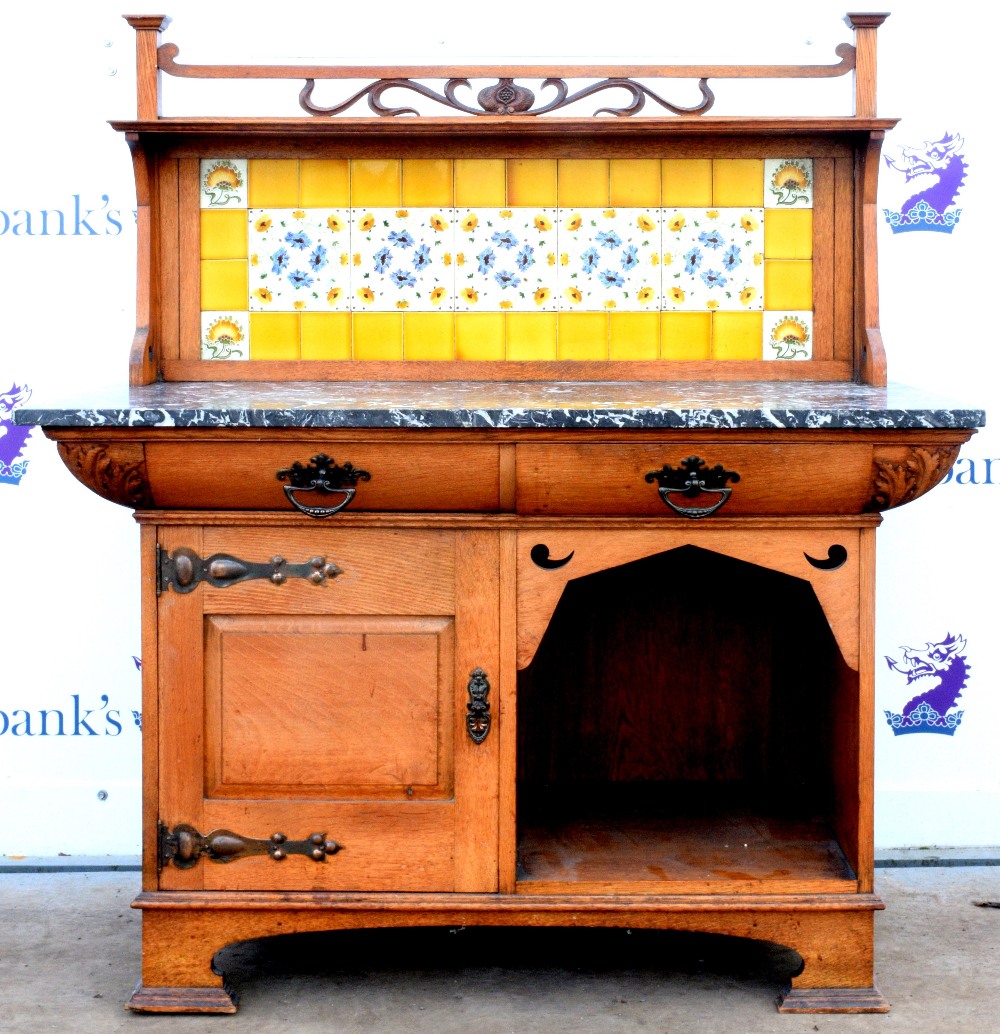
x=609 y=259
x=401 y=259
x=713 y=259
x=223 y=183
x=225 y=335
x=788 y=183
x=788 y=335
x=299 y=259
x=506 y=259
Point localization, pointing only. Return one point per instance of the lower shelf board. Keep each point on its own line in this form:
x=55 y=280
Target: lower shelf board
x=737 y=852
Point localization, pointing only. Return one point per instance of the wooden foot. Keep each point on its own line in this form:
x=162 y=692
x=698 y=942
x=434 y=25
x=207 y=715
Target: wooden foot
x=833 y=999
x=182 y=999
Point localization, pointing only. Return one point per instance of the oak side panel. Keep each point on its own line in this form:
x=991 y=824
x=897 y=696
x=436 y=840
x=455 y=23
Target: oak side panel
x=508 y=712
x=824 y=250
x=866 y=714
x=843 y=260
x=477 y=620
x=189 y=255
x=150 y=706
x=167 y=302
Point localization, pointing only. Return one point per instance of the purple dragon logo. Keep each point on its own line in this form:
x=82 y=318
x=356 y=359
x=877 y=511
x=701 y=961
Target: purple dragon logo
x=939 y=168
x=928 y=711
x=12 y=438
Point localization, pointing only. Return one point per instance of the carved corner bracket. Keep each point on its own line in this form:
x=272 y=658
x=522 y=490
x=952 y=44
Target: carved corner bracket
x=116 y=471
x=900 y=476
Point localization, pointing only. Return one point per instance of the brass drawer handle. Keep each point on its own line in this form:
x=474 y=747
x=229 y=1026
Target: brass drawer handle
x=692 y=480
x=324 y=476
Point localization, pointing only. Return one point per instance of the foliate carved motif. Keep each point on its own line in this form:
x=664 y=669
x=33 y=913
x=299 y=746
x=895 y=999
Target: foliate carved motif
x=115 y=471
x=895 y=481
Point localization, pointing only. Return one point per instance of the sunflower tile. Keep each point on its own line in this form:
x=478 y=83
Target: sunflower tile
x=299 y=259
x=788 y=182
x=401 y=259
x=609 y=259
x=505 y=259
x=225 y=335
x=788 y=335
x=712 y=258
x=223 y=183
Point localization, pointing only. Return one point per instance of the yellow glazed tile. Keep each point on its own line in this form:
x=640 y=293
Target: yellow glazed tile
x=378 y=335
x=531 y=182
x=273 y=183
x=686 y=335
x=788 y=284
x=428 y=335
x=224 y=284
x=375 y=183
x=583 y=335
x=635 y=182
x=531 y=335
x=480 y=335
x=634 y=335
x=737 y=182
x=583 y=182
x=324 y=183
x=325 y=335
x=481 y=182
x=427 y=182
x=223 y=234
x=737 y=335
x=788 y=233
x=274 y=335
x=687 y=182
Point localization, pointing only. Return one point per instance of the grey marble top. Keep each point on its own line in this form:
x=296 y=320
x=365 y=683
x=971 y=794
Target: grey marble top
x=505 y=404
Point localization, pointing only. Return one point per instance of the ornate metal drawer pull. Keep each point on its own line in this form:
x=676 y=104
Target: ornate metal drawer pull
x=324 y=476
x=478 y=720
x=185 y=846
x=184 y=570
x=691 y=481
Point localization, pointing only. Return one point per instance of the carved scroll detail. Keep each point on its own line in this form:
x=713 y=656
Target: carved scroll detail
x=115 y=471
x=895 y=481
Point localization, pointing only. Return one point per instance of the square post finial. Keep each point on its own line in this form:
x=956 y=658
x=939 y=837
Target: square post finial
x=865 y=24
x=147 y=73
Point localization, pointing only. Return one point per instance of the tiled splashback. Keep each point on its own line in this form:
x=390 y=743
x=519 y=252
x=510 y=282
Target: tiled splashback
x=520 y=259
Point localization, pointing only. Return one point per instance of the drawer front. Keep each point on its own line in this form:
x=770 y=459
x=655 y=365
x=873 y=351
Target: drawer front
x=609 y=479
x=237 y=476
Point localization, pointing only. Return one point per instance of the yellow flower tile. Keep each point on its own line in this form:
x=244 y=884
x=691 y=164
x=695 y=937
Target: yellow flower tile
x=737 y=335
x=375 y=183
x=324 y=183
x=788 y=233
x=531 y=182
x=687 y=182
x=737 y=182
x=531 y=335
x=686 y=335
x=223 y=234
x=273 y=183
x=428 y=335
x=274 y=335
x=378 y=335
x=481 y=182
x=787 y=283
x=634 y=335
x=326 y=335
x=480 y=335
x=224 y=284
x=583 y=182
x=427 y=182
x=635 y=182
x=583 y=335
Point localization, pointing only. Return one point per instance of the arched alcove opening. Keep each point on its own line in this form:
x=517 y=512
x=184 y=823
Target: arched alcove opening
x=688 y=717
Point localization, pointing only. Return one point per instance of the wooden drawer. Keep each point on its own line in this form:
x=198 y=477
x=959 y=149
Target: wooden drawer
x=243 y=476
x=610 y=478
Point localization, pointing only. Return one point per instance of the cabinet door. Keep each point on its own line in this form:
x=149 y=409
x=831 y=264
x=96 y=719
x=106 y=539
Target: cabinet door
x=336 y=709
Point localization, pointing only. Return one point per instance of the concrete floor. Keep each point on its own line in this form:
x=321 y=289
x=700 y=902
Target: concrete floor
x=69 y=957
